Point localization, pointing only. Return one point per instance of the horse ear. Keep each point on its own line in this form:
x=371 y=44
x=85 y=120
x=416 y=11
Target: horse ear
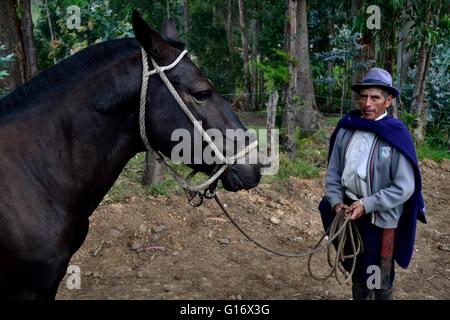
x=170 y=34
x=149 y=39
x=169 y=29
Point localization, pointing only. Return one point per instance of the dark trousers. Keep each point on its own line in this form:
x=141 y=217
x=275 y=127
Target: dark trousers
x=374 y=273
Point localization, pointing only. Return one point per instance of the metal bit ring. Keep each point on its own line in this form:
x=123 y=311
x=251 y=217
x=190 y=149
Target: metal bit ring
x=209 y=194
x=193 y=202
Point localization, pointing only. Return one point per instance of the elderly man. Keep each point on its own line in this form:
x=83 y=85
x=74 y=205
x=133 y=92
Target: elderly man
x=374 y=178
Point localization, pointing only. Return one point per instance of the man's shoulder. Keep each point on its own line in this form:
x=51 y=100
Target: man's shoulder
x=343 y=132
x=343 y=135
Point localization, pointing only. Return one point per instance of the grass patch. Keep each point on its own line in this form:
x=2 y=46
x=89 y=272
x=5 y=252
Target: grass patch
x=332 y=121
x=129 y=182
x=425 y=151
x=310 y=159
x=298 y=167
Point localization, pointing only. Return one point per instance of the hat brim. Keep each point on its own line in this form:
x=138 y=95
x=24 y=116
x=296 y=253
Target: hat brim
x=360 y=86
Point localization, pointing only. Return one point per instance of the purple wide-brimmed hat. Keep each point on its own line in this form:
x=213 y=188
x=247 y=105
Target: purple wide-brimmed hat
x=378 y=78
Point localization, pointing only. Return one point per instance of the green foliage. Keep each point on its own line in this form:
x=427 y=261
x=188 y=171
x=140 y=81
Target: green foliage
x=438 y=81
x=406 y=117
x=344 y=49
x=208 y=44
x=310 y=159
x=426 y=17
x=437 y=93
x=332 y=121
x=313 y=148
x=334 y=37
x=295 y=168
x=98 y=23
x=276 y=73
x=427 y=151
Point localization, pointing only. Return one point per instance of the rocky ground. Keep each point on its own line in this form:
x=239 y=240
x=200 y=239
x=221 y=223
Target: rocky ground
x=161 y=248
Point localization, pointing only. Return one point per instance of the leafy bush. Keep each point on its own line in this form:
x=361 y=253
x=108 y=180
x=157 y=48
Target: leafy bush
x=345 y=48
x=437 y=94
x=275 y=71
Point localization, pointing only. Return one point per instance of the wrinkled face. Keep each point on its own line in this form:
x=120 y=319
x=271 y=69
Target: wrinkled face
x=167 y=124
x=373 y=103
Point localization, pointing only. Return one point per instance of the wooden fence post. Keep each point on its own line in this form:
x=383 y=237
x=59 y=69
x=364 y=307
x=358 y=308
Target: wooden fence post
x=271 y=118
x=153 y=171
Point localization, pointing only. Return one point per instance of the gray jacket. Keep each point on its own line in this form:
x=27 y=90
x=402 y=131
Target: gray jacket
x=391 y=180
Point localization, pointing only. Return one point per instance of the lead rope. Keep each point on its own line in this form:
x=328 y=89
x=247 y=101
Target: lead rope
x=339 y=230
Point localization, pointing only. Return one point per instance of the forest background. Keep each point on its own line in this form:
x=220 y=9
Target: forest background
x=306 y=53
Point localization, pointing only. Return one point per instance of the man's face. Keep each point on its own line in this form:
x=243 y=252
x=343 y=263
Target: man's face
x=373 y=103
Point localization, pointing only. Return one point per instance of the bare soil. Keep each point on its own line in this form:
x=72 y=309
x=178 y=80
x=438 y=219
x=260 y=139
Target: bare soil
x=162 y=248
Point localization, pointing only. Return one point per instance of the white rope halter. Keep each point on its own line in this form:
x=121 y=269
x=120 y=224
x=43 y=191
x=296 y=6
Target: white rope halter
x=227 y=161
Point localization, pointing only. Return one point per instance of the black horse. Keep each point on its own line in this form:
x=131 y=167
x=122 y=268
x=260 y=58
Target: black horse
x=66 y=135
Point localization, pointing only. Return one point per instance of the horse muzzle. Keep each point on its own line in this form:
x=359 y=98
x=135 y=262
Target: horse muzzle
x=241 y=176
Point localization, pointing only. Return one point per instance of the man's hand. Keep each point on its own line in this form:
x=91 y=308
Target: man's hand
x=356 y=210
x=339 y=206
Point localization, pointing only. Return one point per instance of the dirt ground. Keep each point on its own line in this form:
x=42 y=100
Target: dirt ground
x=162 y=248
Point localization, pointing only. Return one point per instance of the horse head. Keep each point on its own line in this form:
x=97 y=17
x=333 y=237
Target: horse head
x=164 y=115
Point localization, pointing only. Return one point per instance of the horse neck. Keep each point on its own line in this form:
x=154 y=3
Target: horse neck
x=93 y=134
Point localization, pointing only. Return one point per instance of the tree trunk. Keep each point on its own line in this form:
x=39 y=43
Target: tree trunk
x=50 y=27
x=329 y=103
x=289 y=108
x=356 y=4
x=153 y=170
x=271 y=119
x=308 y=116
x=344 y=86
x=389 y=56
x=418 y=105
x=28 y=39
x=366 y=53
x=168 y=9
x=389 y=51
x=404 y=56
x=254 y=84
x=262 y=96
x=186 y=22
x=229 y=27
x=229 y=24
x=11 y=37
x=245 y=57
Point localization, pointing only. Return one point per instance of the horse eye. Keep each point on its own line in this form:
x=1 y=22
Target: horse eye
x=202 y=95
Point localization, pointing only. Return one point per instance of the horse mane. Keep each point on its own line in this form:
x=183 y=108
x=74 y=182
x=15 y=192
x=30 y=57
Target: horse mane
x=66 y=72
